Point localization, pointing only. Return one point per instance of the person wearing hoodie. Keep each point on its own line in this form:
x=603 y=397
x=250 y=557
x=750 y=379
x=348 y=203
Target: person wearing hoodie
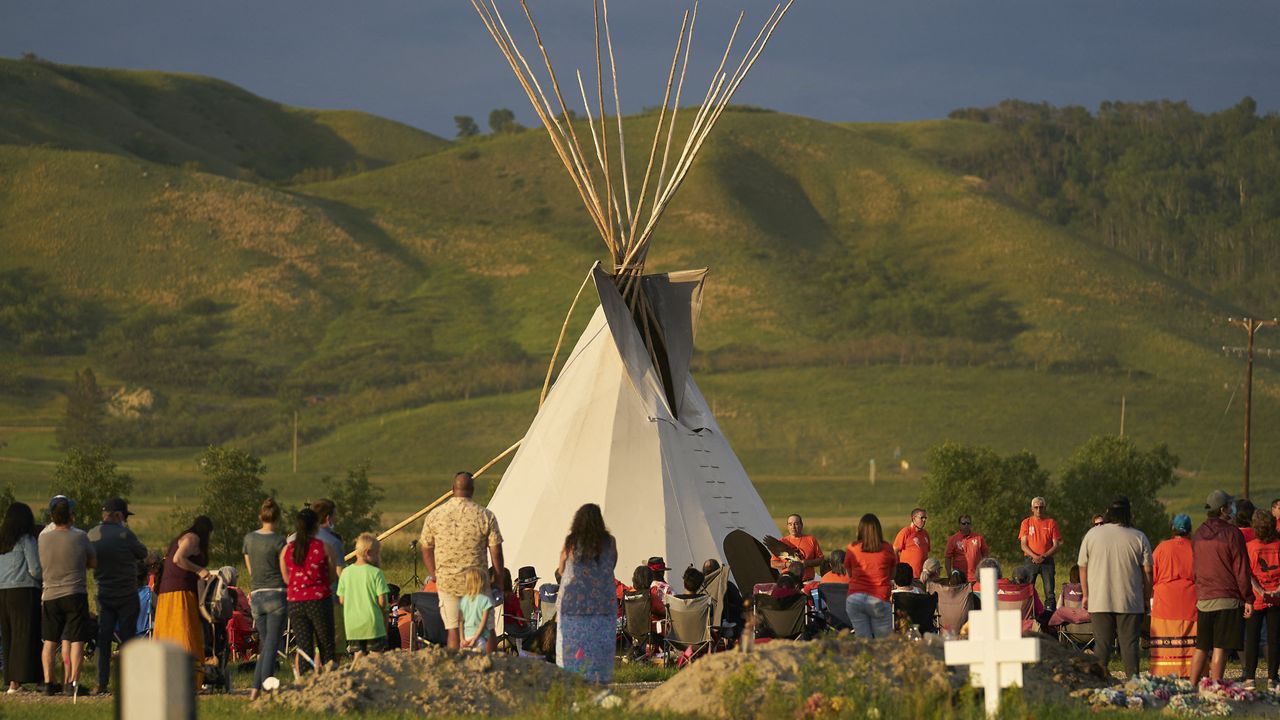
x=1224 y=590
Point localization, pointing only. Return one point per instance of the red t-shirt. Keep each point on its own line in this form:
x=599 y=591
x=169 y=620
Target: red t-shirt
x=913 y=548
x=1040 y=534
x=808 y=548
x=1264 y=565
x=870 y=573
x=966 y=552
x=310 y=581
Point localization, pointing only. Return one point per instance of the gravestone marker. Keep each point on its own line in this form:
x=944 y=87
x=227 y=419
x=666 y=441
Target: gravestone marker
x=157 y=682
x=995 y=650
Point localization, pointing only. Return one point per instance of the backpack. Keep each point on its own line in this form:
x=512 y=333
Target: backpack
x=217 y=600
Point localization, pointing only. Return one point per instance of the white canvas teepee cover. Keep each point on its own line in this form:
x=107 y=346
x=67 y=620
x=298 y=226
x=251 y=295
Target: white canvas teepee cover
x=668 y=482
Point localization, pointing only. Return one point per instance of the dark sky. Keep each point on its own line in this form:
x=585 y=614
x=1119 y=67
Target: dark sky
x=424 y=61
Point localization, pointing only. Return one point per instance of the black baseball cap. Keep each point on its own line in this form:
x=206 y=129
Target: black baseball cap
x=116 y=505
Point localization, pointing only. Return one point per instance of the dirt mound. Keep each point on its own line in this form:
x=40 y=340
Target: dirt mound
x=735 y=684
x=435 y=682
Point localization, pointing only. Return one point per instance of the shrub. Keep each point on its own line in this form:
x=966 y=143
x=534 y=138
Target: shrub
x=357 y=501
x=230 y=495
x=996 y=491
x=1108 y=466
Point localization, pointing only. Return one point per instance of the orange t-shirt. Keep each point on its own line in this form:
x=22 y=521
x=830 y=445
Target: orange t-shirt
x=1040 y=534
x=870 y=573
x=913 y=548
x=966 y=552
x=808 y=548
x=1264 y=565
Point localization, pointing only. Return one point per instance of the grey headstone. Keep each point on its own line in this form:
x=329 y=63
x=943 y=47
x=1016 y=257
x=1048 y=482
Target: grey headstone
x=157 y=682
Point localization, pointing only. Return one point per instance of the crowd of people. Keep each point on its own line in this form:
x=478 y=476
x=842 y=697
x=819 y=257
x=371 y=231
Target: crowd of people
x=175 y=596
x=1199 y=597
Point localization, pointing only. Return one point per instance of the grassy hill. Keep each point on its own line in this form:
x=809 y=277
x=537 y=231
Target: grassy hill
x=204 y=123
x=862 y=298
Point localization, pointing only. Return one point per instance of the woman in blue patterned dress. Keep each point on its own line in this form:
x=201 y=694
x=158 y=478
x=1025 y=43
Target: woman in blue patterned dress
x=588 y=603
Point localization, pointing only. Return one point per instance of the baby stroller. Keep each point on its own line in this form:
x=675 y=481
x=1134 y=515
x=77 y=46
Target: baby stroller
x=217 y=608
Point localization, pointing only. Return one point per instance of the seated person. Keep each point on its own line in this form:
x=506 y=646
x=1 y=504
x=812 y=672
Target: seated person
x=512 y=612
x=787 y=586
x=1017 y=590
x=693 y=579
x=1071 y=611
x=402 y=619
x=641 y=579
x=833 y=568
x=955 y=601
x=659 y=568
x=902 y=580
x=930 y=572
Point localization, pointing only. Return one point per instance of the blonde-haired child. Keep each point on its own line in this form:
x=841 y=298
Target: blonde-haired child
x=362 y=590
x=475 y=607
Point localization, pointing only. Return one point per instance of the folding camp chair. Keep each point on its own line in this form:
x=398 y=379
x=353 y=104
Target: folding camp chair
x=714 y=586
x=783 y=619
x=429 y=626
x=638 y=614
x=955 y=602
x=833 y=597
x=689 y=626
x=915 y=609
x=1077 y=635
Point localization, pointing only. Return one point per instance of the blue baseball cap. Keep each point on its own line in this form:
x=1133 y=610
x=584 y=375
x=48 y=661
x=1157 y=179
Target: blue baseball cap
x=1182 y=523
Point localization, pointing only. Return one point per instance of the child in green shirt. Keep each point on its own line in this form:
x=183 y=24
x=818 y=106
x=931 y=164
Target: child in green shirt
x=362 y=590
x=476 y=609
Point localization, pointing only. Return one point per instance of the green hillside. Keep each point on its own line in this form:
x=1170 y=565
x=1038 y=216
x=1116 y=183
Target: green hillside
x=864 y=298
x=205 y=123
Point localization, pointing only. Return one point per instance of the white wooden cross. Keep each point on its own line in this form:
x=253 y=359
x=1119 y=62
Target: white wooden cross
x=995 y=650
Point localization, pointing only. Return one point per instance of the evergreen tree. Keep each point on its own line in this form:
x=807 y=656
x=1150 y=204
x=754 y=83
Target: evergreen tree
x=83 y=424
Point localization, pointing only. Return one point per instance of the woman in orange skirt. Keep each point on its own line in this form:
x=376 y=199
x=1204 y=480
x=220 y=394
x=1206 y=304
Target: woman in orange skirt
x=1173 y=603
x=177 y=609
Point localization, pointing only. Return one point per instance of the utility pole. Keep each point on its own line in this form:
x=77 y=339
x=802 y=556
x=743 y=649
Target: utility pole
x=1251 y=327
x=1122 y=404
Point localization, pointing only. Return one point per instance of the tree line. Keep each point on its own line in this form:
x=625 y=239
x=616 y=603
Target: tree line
x=1195 y=194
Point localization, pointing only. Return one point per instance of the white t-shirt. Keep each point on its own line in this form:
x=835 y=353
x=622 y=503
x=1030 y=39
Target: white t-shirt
x=1114 y=557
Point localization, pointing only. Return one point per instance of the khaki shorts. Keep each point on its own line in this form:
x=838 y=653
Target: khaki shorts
x=449 y=610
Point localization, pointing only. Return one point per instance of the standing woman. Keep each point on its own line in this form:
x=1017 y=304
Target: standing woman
x=870 y=563
x=309 y=569
x=588 y=605
x=1173 y=602
x=20 y=597
x=177 y=610
x=1264 y=570
x=262 y=549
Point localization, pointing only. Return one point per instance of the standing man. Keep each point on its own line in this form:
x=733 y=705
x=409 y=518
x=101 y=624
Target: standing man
x=1115 y=577
x=965 y=550
x=454 y=537
x=1224 y=590
x=1041 y=539
x=806 y=546
x=119 y=553
x=912 y=542
x=66 y=555
x=327 y=511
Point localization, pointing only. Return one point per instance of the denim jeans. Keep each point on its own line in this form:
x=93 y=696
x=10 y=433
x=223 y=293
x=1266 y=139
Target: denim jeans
x=117 y=617
x=270 y=611
x=870 y=616
x=1046 y=570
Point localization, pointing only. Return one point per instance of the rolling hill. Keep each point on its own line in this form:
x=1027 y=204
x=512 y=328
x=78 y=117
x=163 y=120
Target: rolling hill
x=863 y=297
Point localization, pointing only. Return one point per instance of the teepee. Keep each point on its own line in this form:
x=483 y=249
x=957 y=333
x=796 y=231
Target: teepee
x=625 y=425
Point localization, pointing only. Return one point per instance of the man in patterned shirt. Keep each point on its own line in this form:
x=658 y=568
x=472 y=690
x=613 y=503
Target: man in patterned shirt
x=454 y=537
